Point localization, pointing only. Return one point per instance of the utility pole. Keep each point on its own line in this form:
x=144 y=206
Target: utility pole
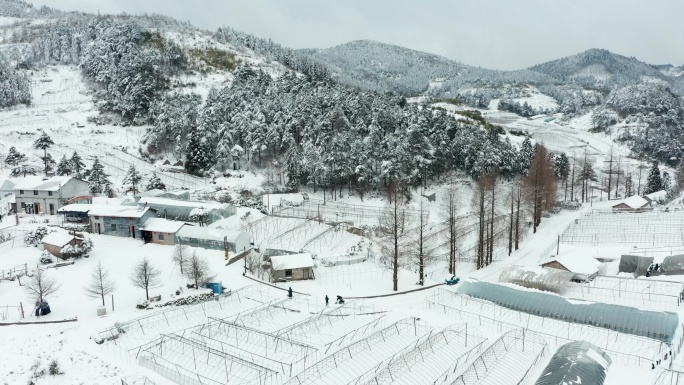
x=610 y=171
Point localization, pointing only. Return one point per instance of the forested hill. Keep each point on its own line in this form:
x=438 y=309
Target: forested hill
x=213 y=99
x=640 y=103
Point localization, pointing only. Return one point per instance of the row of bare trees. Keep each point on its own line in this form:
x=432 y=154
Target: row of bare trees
x=501 y=208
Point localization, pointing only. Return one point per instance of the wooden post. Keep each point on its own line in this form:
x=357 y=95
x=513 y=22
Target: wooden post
x=21 y=306
x=112 y=302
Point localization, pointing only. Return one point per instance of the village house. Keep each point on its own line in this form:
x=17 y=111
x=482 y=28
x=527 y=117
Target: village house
x=584 y=267
x=292 y=267
x=55 y=242
x=120 y=221
x=46 y=195
x=634 y=203
x=160 y=230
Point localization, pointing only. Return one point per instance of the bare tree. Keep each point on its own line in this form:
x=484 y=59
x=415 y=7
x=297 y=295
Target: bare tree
x=100 y=283
x=41 y=285
x=146 y=276
x=484 y=184
x=450 y=221
x=541 y=185
x=180 y=256
x=197 y=270
x=393 y=222
x=423 y=255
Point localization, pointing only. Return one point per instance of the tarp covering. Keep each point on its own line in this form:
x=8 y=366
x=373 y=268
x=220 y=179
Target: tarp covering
x=661 y=326
x=575 y=363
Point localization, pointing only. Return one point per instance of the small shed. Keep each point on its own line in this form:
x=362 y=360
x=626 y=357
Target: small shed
x=160 y=230
x=585 y=268
x=292 y=267
x=634 y=203
x=55 y=242
x=213 y=239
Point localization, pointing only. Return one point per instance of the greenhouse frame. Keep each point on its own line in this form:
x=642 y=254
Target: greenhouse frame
x=661 y=326
x=204 y=213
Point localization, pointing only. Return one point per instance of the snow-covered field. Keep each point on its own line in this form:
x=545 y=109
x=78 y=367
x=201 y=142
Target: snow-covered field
x=256 y=334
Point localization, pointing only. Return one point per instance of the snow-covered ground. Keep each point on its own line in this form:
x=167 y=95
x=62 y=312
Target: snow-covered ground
x=259 y=311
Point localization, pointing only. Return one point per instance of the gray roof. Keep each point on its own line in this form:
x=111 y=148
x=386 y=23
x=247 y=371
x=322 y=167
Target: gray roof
x=576 y=363
x=657 y=325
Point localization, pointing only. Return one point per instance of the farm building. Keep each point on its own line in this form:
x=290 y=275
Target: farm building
x=120 y=221
x=55 y=242
x=181 y=194
x=160 y=230
x=292 y=267
x=213 y=239
x=584 y=267
x=203 y=213
x=37 y=194
x=634 y=203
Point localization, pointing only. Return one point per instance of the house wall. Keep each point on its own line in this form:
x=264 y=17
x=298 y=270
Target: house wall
x=123 y=225
x=297 y=274
x=169 y=238
x=72 y=188
x=242 y=242
x=54 y=250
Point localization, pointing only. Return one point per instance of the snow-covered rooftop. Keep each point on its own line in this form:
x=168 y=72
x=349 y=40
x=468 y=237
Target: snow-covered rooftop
x=635 y=202
x=207 y=233
x=161 y=225
x=41 y=183
x=76 y=208
x=58 y=238
x=658 y=195
x=173 y=202
x=292 y=261
x=117 y=211
x=580 y=264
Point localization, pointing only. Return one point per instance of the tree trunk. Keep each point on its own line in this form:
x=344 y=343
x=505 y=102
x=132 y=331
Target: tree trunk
x=491 y=231
x=510 y=227
x=517 y=220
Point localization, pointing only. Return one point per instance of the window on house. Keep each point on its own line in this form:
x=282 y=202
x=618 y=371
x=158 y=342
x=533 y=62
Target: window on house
x=23 y=205
x=49 y=193
x=97 y=217
x=113 y=226
x=288 y=273
x=21 y=191
x=35 y=192
x=161 y=236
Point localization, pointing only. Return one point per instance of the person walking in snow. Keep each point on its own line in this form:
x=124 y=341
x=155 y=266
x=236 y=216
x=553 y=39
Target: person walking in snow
x=289 y=292
x=326 y=300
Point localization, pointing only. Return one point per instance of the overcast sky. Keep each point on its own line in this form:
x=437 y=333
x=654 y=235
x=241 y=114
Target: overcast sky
x=501 y=34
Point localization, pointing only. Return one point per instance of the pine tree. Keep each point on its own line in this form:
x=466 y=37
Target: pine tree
x=132 y=180
x=48 y=161
x=526 y=154
x=14 y=157
x=97 y=179
x=155 y=183
x=22 y=170
x=77 y=165
x=43 y=143
x=667 y=181
x=293 y=164
x=199 y=154
x=654 y=182
x=64 y=167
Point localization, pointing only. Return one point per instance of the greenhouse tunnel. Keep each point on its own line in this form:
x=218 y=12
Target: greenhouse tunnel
x=658 y=325
x=574 y=363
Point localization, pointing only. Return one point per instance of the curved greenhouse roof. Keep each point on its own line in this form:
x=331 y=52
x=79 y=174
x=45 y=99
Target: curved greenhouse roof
x=577 y=362
x=657 y=325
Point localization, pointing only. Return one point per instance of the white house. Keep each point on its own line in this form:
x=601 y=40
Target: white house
x=38 y=194
x=584 y=267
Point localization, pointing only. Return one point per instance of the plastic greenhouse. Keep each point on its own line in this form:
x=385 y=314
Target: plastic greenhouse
x=189 y=211
x=213 y=239
x=661 y=326
x=576 y=362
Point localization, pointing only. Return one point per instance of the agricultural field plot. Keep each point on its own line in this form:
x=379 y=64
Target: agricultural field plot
x=646 y=229
x=132 y=334
x=438 y=359
x=640 y=293
x=624 y=348
x=279 y=315
x=347 y=364
x=514 y=358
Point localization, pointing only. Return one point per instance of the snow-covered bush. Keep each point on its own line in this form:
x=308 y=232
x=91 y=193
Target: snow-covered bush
x=34 y=237
x=77 y=250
